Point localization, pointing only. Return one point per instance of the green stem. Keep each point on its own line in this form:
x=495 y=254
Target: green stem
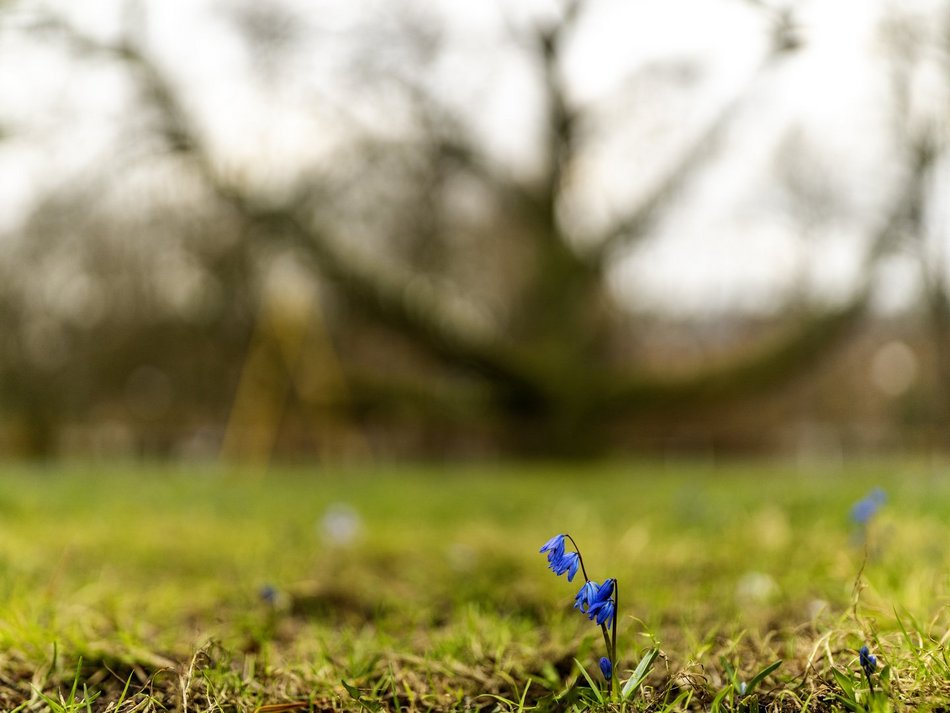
x=579 y=557
x=613 y=637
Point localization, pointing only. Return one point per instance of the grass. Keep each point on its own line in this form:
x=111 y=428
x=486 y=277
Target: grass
x=140 y=589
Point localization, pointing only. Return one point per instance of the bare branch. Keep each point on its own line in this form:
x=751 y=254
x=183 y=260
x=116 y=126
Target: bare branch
x=413 y=306
x=644 y=214
x=397 y=299
x=642 y=218
x=800 y=348
x=793 y=354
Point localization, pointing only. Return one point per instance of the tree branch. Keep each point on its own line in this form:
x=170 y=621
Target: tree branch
x=410 y=304
x=793 y=354
x=797 y=351
x=642 y=217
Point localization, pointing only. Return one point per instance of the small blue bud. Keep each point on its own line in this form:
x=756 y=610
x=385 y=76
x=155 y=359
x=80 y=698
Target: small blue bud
x=269 y=594
x=606 y=668
x=868 y=661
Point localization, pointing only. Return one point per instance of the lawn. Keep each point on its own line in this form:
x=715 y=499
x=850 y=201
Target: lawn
x=398 y=588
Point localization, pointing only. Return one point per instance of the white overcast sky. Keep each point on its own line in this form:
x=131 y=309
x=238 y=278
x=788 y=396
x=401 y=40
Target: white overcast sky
x=734 y=245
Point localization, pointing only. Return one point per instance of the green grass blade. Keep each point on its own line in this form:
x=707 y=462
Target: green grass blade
x=358 y=697
x=717 y=701
x=639 y=675
x=72 y=692
x=760 y=676
x=728 y=668
x=844 y=681
x=125 y=692
x=594 y=687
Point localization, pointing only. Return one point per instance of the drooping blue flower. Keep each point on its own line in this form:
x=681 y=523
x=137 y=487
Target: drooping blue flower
x=567 y=562
x=604 y=612
x=606 y=668
x=604 y=592
x=585 y=596
x=868 y=661
x=601 y=606
x=554 y=547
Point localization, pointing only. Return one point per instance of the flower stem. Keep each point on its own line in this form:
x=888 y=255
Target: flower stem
x=613 y=637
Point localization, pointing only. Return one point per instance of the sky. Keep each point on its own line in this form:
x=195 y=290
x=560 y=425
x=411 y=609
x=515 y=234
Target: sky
x=739 y=244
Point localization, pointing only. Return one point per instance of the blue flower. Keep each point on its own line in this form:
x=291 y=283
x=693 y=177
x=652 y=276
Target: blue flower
x=554 y=547
x=601 y=604
x=606 y=668
x=604 y=592
x=585 y=596
x=868 y=661
x=863 y=510
x=268 y=594
x=604 y=613
x=567 y=562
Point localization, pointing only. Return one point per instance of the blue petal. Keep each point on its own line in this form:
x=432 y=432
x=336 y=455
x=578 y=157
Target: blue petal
x=575 y=562
x=584 y=596
x=606 y=668
x=863 y=510
x=555 y=543
x=604 y=592
x=563 y=563
x=605 y=613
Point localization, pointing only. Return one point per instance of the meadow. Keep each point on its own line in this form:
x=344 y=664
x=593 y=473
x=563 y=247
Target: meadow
x=154 y=588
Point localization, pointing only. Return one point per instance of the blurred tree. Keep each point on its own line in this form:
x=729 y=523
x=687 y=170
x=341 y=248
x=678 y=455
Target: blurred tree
x=919 y=48
x=474 y=269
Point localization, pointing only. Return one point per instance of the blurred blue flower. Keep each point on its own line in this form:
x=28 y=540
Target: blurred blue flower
x=567 y=562
x=868 y=661
x=268 y=594
x=585 y=596
x=554 y=547
x=863 y=510
x=606 y=668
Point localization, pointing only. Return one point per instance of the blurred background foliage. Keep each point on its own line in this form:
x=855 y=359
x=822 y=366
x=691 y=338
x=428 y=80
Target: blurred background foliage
x=397 y=229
